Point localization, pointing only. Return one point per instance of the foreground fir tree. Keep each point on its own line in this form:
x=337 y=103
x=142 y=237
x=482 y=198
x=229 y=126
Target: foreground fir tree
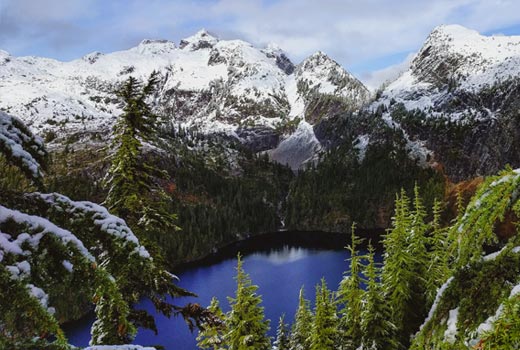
x=282 y=335
x=477 y=307
x=398 y=270
x=417 y=243
x=58 y=256
x=324 y=333
x=211 y=335
x=376 y=328
x=133 y=189
x=301 y=330
x=438 y=270
x=20 y=148
x=350 y=299
x=246 y=321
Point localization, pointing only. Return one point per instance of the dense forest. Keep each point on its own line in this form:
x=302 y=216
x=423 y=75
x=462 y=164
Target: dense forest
x=436 y=288
x=116 y=219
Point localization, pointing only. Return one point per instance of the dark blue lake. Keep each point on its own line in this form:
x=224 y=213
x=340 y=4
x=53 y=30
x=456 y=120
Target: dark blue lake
x=279 y=264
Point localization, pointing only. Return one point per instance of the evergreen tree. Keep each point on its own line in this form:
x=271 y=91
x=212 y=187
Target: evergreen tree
x=417 y=244
x=247 y=326
x=398 y=270
x=376 y=328
x=324 y=330
x=301 y=330
x=406 y=263
x=350 y=298
x=112 y=325
x=133 y=192
x=438 y=268
x=211 y=335
x=282 y=335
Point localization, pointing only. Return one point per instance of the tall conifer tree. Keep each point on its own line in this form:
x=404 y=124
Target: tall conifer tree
x=350 y=299
x=301 y=329
x=438 y=268
x=247 y=326
x=211 y=335
x=282 y=335
x=398 y=269
x=417 y=242
x=324 y=330
x=376 y=328
x=133 y=191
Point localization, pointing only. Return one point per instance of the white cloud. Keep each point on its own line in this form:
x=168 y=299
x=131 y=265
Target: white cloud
x=374 y=80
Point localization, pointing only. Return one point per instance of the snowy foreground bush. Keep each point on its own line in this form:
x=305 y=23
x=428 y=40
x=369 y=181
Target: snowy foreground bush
x=478 y=306
x=58 y=257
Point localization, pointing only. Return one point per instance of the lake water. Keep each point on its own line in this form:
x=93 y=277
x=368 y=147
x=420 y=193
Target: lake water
x=279 y=264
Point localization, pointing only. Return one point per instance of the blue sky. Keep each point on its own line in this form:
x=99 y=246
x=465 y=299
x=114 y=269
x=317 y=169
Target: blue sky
x=371 y=38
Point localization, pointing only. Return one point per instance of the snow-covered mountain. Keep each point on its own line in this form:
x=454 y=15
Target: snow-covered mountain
x=218 y=86
x=458 y=104
x=454 y=63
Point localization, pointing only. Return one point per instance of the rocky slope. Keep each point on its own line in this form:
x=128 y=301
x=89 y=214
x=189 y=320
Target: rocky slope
x=459 y=100
x=217 y=86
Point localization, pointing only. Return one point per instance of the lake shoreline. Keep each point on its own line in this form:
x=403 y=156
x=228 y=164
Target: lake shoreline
x=266 y=241
x=279 y=263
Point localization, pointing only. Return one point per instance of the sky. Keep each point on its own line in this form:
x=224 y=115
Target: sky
x=373 y=39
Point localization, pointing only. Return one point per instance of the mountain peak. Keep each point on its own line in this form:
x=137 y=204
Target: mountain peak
x=318 y=59
x=155 y=46
x=453 y=30
x=200 y=40
x=456 y=61
x=464 y=50
x=319 y=55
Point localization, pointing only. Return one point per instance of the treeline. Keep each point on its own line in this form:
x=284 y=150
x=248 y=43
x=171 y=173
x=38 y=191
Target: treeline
x=216 y=208
x=219 y=190
x=354 y=184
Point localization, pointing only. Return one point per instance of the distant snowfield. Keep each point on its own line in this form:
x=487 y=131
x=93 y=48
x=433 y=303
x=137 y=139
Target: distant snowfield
x=219 y=86
x=78 y=96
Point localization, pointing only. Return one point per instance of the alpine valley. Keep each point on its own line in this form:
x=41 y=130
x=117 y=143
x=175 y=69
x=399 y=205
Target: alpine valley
x=251 y=143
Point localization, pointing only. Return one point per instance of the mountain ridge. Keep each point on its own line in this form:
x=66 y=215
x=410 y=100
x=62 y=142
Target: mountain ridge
x=217 y=86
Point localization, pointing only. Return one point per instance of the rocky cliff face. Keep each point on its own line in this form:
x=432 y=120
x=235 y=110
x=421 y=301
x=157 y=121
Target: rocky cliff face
x=227 y=87
x=460 y=101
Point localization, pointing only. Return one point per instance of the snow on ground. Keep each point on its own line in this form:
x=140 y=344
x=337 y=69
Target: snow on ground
x=78 y=95
x=295 y=99
x=451 y=330
x=361 y=144
x=242 y=81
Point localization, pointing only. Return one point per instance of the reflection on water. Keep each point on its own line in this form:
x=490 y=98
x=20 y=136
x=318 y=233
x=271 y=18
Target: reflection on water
x=284 y=255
